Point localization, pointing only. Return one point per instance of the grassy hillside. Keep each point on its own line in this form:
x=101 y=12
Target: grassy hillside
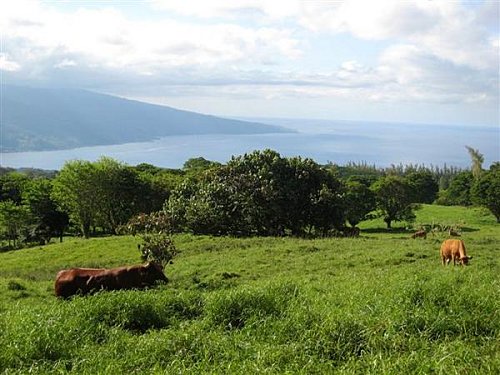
x=381 y=303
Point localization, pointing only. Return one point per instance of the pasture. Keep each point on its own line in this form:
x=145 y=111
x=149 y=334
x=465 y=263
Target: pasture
x=380 y=303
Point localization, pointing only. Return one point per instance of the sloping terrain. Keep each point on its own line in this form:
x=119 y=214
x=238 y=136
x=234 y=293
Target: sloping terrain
x=49 y=119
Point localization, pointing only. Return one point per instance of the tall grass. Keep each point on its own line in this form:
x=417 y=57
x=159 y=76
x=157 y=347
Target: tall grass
x=381 y=303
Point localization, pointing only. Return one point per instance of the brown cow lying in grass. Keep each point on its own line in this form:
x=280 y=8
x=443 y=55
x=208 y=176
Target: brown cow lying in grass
x=87 y=280
x=454 y=249
x=421 y=233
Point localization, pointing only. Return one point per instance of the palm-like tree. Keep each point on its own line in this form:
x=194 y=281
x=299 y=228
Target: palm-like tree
x=477 y=161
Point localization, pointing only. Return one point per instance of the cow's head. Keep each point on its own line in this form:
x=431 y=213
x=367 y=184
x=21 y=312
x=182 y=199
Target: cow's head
x=465 y=260
x=154 y=272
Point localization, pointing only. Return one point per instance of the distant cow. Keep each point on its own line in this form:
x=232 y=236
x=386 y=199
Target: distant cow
x=88 y=280
x=454 y=249
x=421 y=233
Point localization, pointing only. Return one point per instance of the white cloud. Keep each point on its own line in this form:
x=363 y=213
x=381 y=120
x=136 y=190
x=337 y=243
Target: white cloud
x=7 y=64
x=65 y=63
x=105 y=38
x=443 y=28
x=433 y=51
x=275 y=9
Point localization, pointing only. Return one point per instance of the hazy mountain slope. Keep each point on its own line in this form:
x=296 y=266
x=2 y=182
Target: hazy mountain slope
x=43 y=119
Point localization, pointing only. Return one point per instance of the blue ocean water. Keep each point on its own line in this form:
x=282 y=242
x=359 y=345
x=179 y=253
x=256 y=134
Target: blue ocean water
x=381 y=144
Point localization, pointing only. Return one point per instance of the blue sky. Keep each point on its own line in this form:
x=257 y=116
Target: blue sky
x=398 y=61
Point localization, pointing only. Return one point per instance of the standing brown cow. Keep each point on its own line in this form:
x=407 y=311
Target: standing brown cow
x=454 y=249
x=88 y=280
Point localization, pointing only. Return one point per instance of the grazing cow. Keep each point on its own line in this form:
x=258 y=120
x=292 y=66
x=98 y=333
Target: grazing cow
x=421 y=233
x=454 y=249
x=88 y=280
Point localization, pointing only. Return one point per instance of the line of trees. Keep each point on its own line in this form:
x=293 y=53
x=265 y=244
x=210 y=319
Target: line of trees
x=260 y=193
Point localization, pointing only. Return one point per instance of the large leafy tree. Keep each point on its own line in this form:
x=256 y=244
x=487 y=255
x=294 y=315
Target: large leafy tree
x=393 y=196
x=48 y=220
x=359 y=202
x=76 y=191
x=424 y=186
x=258 y=193
x=157 y=185
x=458 y=193
x=118 y=191
x=14 y=220
x=12 y=185
x=486 y=190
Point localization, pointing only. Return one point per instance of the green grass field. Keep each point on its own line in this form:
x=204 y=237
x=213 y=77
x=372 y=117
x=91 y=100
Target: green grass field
x=381 y=303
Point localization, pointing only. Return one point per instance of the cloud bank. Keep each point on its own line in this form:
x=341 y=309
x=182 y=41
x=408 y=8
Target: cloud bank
x=434 y=52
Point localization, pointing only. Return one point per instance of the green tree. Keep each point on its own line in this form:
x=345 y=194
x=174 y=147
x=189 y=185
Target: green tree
x=458 y=193
x=327 y=210
x=119 y=192
x=486 y=191
x=393 y=195
x=76 y=191
x=199 y=164
x=359 y=202
x=12 y=185
x=49 y=221
x=258 y=193
x=14 y=220
x=157 y=188
x=424 y=186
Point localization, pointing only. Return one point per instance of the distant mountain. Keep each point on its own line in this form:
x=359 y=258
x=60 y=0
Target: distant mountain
x=49 y=119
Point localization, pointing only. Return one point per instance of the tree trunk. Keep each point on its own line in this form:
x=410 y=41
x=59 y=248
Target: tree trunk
x=388 y=222
x=86 y=230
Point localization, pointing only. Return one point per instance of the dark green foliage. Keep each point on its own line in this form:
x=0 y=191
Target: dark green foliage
x=48 y=220
x=486 y=191
x=393 y=196
x=359 y=202
x=75 y=191
x=198 y=165
x=259 y=193
x=156 y=186
x=105 y=193
x=424 y=186
x=154 y=229
x=11 y=186
x=15 y=222
x=458 y=193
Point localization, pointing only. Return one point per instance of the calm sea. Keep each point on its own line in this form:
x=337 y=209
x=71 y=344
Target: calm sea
x=324 y=141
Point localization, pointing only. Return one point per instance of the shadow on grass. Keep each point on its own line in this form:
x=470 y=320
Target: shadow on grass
x=402 y=230
x=387 y=230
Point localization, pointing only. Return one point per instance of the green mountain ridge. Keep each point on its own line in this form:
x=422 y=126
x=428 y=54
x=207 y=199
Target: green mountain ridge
x=35 y=119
